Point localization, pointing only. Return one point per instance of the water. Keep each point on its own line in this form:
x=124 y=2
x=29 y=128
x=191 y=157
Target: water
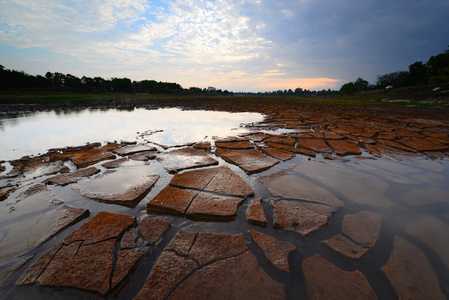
x=33 y=133
x=410 y=194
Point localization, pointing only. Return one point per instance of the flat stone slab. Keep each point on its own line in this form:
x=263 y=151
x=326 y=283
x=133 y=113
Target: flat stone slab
x=363 y=228
x=72 y=177
x=410 y=273
x=85 y=259
x=331 y=157
x=279 y=153
x=420 y=144
x=214 y=207
x=381 y=150
x=234 y=145
x=194 y=204
x=185 y=158
x=317 y=145
x=209 y=266
x=324 y=280
x=276 y=251
x=296 y=216
x=133 y=149
x=251 y=161
x=115 y=163
x=298 y=150
x=144 y=156
x=343 y=147
x=221 y=180
x=359 y=187
x=123 y=186
x=21 y=237
x=153 y=229
x=171 y=200
x=206 y=146
x=286 y=185
x=89 y=156
x=432 y=232
x=256 y=214
x=345 y=246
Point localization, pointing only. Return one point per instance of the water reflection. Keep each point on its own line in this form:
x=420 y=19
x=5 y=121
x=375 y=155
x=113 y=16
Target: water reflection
x=32 y=133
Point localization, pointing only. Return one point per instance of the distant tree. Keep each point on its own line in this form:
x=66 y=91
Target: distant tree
x=394 y=79
x=360 y=85
x=439 y=68
x=72 y=81
x=121 y=85
x=347 y=88
x=417 y=73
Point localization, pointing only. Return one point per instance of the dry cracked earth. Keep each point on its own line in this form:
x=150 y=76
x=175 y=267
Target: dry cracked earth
x=315 y=202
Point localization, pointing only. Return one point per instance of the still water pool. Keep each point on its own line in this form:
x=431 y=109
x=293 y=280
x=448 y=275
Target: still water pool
x=33 y=133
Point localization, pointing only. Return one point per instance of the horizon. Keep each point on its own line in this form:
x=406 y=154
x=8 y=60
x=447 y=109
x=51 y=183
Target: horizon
x=240 y=46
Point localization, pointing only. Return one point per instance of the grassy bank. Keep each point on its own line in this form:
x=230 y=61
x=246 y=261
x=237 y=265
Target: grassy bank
x=374 y=98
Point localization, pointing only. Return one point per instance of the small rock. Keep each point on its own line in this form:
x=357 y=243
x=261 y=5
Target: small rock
x=276 y=251
x=128 y=240
x=295 y=216
x=345 y=246
x=256 y=214
x=152 y=228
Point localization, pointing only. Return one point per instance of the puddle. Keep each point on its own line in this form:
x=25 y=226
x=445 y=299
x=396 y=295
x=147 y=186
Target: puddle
x=33 y=133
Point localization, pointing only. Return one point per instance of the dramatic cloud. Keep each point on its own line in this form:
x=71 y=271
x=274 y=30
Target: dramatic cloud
x=247 y=45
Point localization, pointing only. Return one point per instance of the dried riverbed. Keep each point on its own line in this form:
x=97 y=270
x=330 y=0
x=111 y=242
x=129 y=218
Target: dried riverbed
x=316 y=201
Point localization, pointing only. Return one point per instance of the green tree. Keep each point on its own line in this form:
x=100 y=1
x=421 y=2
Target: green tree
x=347 y=88
x=417 y=74
x=360 y=85
x=439 y=68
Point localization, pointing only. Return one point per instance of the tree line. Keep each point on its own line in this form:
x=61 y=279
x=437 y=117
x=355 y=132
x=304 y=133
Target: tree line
x=298 y=92
x=19 y=80
x=434 y=71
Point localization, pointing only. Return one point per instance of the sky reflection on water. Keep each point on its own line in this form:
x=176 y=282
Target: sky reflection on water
x=28 y=134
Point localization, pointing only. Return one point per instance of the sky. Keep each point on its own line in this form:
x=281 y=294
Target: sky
x=235 y=45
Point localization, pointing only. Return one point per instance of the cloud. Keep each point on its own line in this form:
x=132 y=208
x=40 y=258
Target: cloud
x=227 y=43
